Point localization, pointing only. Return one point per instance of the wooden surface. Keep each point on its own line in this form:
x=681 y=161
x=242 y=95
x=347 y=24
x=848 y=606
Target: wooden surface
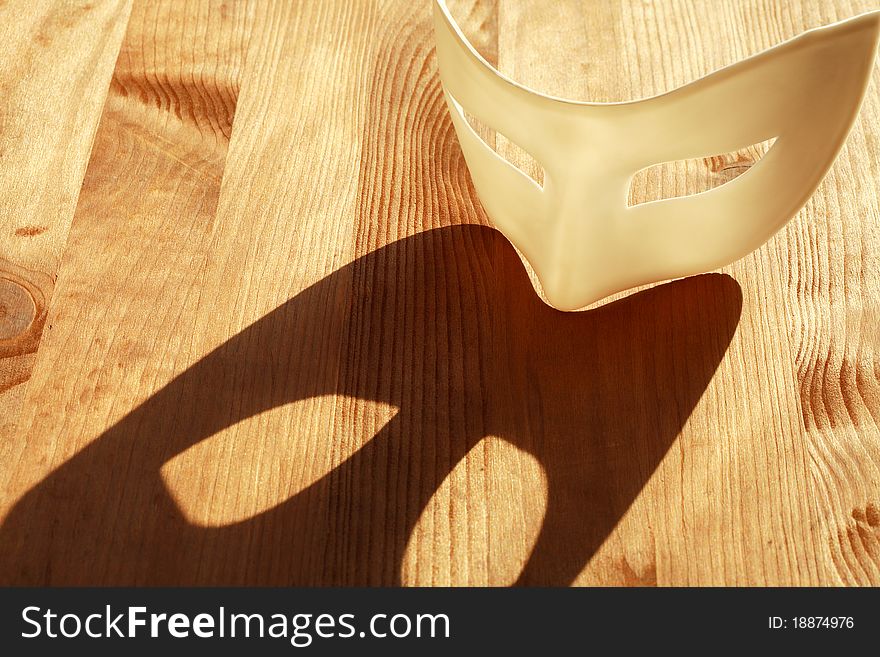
x=255 y=329
x=57 y=58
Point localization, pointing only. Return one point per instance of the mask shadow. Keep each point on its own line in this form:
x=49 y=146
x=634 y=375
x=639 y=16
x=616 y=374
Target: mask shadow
x=443 y=325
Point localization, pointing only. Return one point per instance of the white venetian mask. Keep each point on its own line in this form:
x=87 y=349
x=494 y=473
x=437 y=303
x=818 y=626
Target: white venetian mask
x=577 y=231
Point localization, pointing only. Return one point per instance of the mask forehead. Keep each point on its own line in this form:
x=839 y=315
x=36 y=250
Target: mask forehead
x=577 y=231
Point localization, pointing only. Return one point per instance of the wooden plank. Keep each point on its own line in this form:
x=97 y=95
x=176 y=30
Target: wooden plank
x=831 y=266
x=122 y=309
x=56 y=58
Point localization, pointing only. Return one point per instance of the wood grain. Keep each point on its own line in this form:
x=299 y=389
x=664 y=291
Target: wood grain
x=829 y=262
x=56 y=59
x=137 y=246
x=286 y=348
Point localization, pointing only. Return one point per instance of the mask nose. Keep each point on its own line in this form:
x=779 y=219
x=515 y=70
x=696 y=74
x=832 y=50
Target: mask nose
x=581 y=236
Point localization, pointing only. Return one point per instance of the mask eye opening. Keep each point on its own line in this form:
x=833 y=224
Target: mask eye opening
x=507 y=149
x=678 y=178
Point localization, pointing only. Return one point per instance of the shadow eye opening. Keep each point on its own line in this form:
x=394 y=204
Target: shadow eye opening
x=681 y=178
